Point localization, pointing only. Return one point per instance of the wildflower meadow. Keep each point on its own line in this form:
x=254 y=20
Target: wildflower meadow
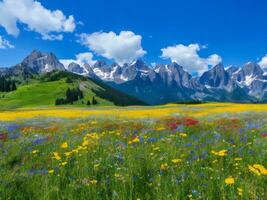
x=209 y=151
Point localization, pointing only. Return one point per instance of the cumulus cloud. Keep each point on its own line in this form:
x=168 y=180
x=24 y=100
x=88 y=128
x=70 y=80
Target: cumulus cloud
x=188 y=57
x=5 y=44
x=81 y=59
x=36 y=17
x=52 y=37
x=123 y=48
x=86 y=57
x=263 y=62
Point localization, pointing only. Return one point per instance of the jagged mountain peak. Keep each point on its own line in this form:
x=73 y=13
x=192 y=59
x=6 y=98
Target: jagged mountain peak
x=140 y=64
x=99 y=64
x=215 y=77
x=252 y=68
x=39 y=62
x=232 y=69
x=175 y=65
x=219 y=68
x=76 y=68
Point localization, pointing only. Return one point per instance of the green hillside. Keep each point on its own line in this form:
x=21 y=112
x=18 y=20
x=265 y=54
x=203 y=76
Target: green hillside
x=44 y=90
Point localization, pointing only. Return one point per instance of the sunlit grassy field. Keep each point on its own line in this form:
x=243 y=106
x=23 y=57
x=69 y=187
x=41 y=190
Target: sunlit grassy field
x=205 y=151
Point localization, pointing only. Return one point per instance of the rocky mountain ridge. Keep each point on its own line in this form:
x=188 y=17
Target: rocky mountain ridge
x=161 y=83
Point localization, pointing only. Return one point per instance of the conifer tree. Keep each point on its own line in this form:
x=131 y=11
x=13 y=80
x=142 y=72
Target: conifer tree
x=94 y=101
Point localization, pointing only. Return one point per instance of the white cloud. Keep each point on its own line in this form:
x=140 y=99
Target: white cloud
x=213 y=60
x=5 y=44
x=81 y=59
x=263 y=62
x=188 y=57
x=86 y=57
x=36 y=17
x=123 y=48
x=52 y=37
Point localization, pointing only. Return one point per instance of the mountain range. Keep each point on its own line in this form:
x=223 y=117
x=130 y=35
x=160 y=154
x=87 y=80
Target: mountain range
x=162 y=83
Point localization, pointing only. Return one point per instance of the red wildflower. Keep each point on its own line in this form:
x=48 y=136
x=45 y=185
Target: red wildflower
x=173 y=125
x=3 y=136
x=264 y=134
x=190 y=121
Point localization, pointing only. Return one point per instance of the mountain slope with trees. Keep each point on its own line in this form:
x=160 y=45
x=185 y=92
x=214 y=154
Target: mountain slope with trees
x=50 y=89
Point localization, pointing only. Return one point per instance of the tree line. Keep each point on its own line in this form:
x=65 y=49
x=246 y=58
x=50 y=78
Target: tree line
x=93 y=102
x=73 y=95
x=7 y=85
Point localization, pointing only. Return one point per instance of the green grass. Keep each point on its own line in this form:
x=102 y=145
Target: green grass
x=42 y=91
x=133 y=159
x=38 y=94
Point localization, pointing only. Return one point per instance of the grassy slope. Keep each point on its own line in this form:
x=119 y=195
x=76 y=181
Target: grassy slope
x=44 y=94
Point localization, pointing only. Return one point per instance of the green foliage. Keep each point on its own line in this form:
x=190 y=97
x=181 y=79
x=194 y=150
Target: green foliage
x=50 y=88
x=107 y=158
x=72 y=95
x=68 y=80
x=7 y=85
x=94 y=101
x=119 y=98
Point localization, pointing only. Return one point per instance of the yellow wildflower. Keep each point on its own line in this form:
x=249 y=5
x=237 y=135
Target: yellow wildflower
x=68 y=154
x=75 y=151
x=135 y=140
x=63 y=163
x=93 y=182
x=254 y=170
x=118 y=175
x=220 y=153
x=35 y=151
x=118 y=133
x=51 y=171
x=230 y=180
x=56 y=156
x=64 y=145
x=85 y=143
x=223 y=153
x=261 y=168
x=176 y=161
x=164 y=166
x=240 y=191
x=258 y=169
x=183 y=134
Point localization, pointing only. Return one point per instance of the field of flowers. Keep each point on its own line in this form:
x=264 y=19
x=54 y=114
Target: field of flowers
x=207 y=151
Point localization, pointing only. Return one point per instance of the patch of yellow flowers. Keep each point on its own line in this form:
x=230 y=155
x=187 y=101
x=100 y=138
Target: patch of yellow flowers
x=220 y=153
x=258 y=169
x=136 y=112
x=229 y=181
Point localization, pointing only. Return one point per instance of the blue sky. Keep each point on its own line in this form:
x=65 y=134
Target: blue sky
x=234 y=30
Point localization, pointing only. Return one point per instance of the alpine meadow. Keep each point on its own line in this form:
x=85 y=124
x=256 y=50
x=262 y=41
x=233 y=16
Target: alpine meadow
x=133 y=100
